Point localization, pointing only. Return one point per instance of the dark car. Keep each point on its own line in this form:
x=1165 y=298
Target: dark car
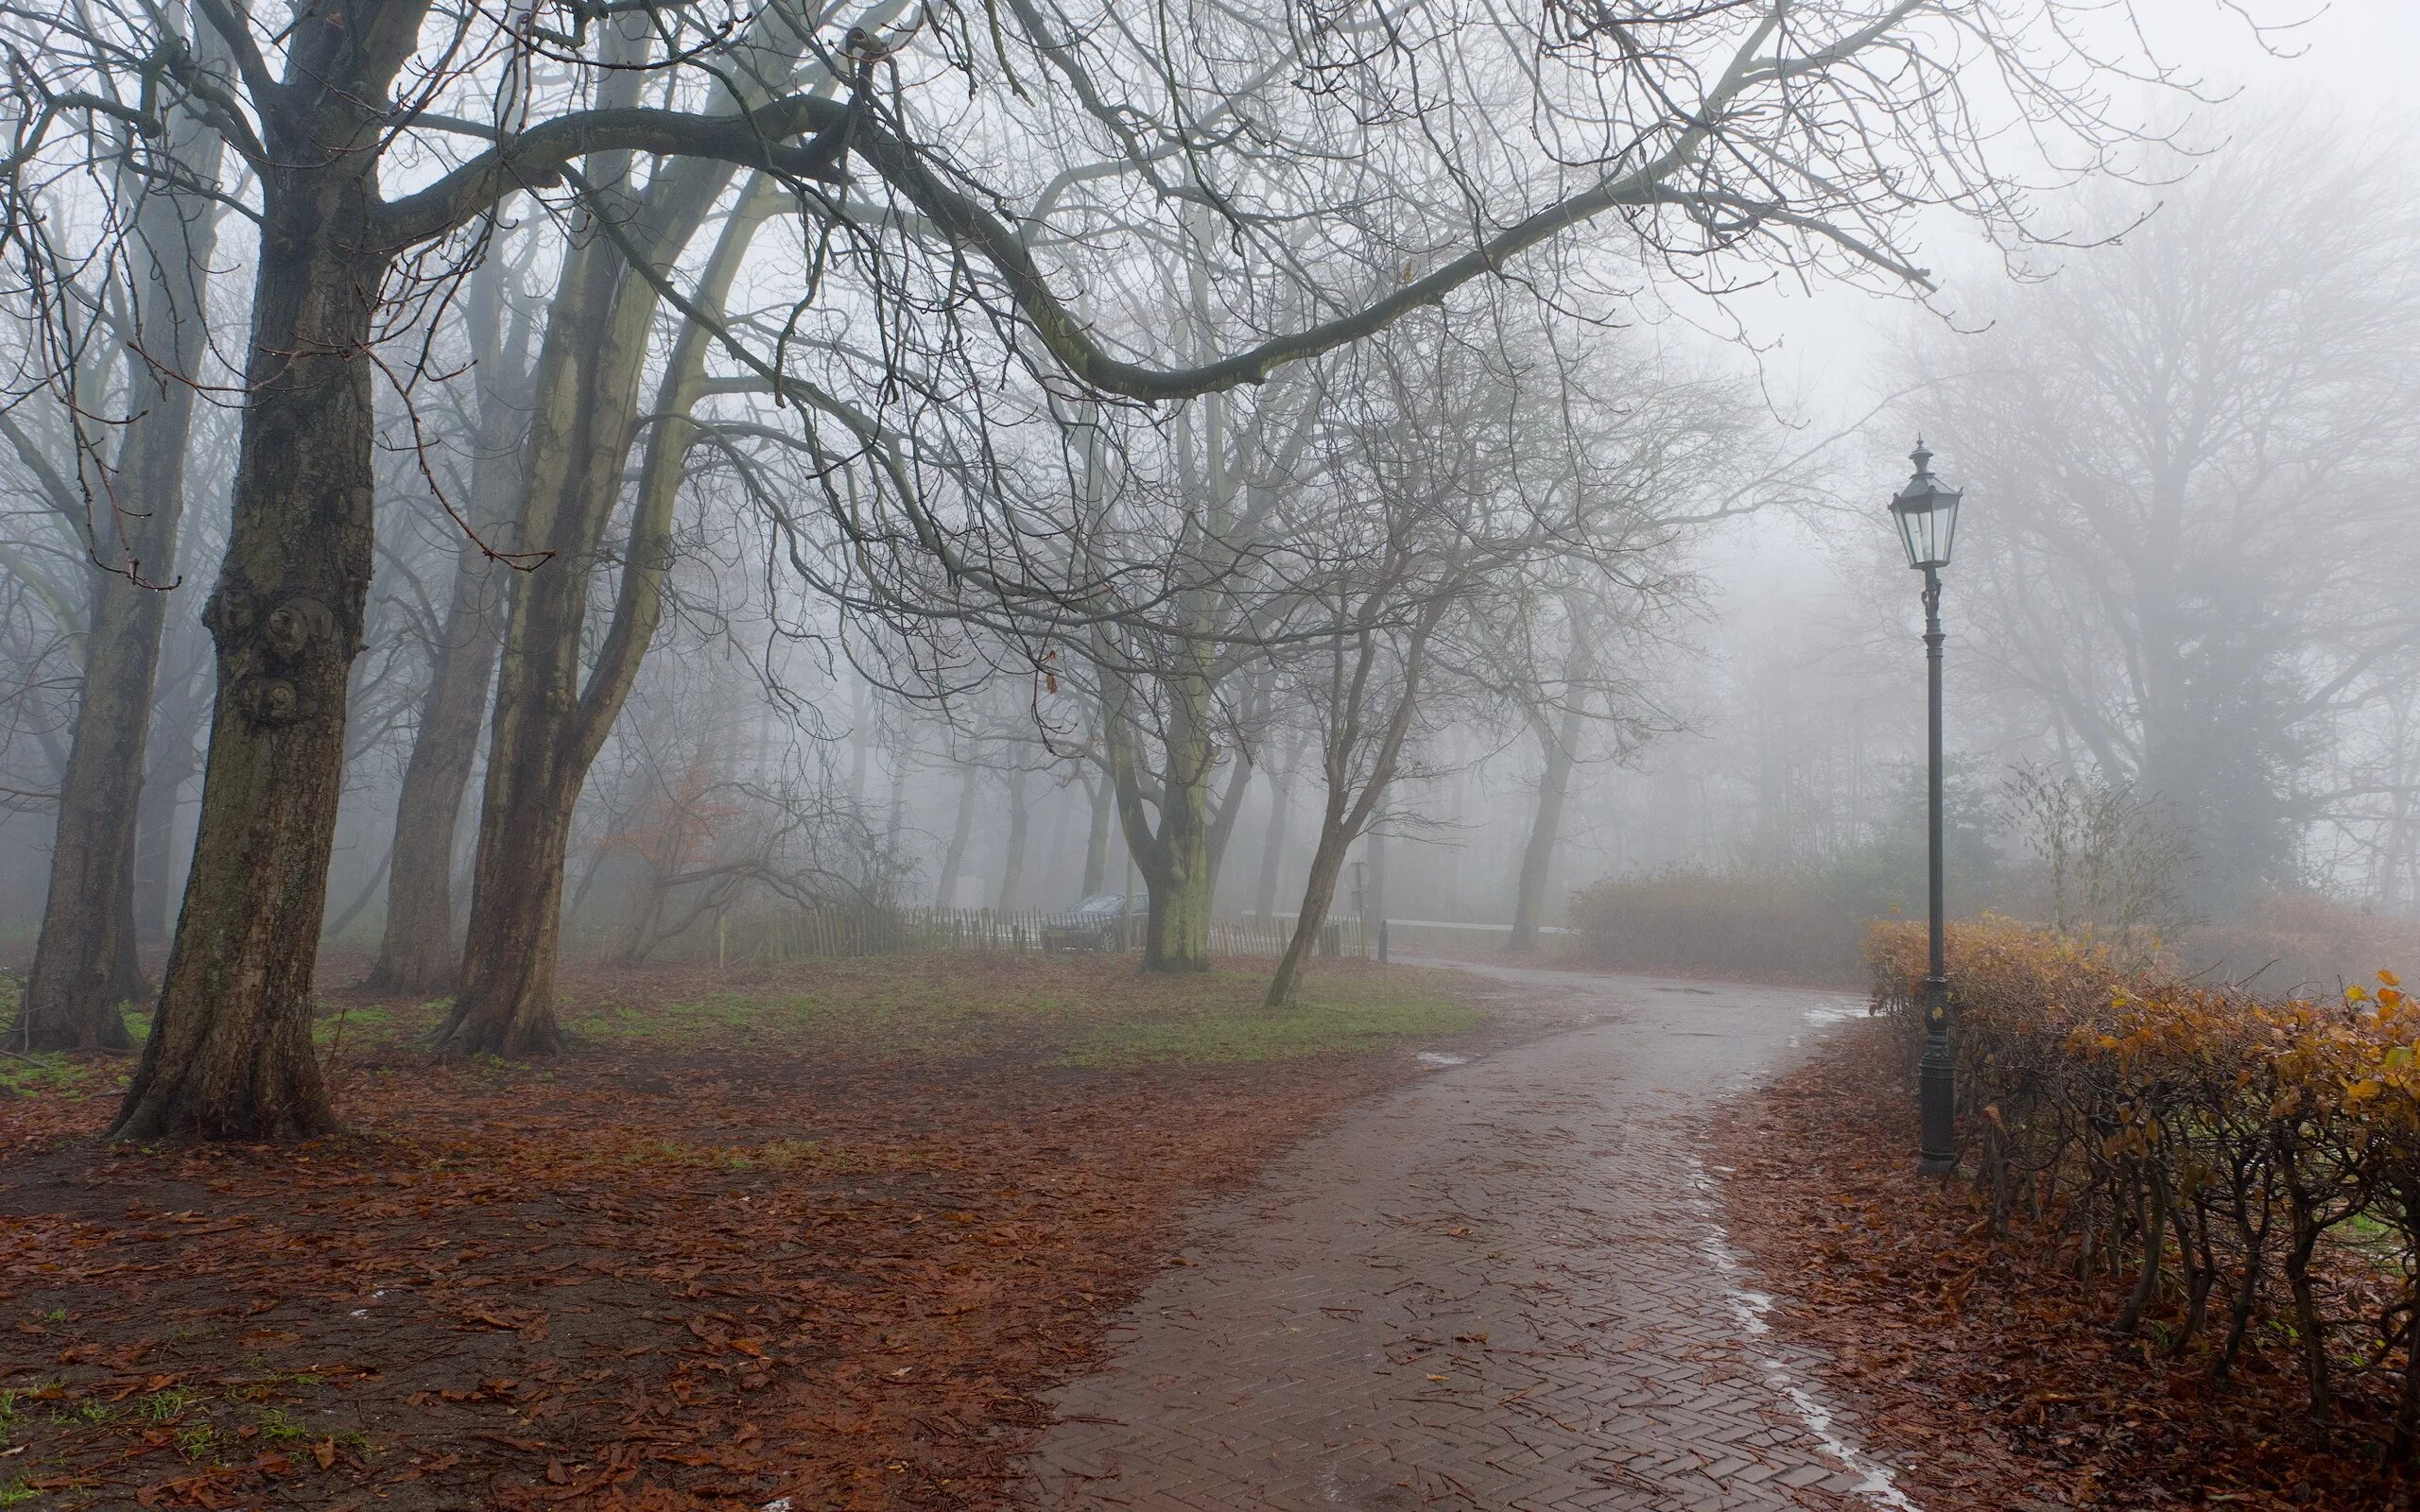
x=1104 y=921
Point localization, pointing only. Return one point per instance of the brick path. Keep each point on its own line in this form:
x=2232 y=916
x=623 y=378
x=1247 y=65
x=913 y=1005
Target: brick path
x=1505 y=1287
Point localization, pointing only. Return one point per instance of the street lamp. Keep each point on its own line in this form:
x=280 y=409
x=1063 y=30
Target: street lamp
x=1926 y=515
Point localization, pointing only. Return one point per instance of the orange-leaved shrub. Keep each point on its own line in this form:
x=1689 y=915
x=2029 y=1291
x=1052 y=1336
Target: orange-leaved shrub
x=2248 y=1163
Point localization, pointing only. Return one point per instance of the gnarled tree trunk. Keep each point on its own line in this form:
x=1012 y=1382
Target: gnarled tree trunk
x=1175 y=856
x=230 y=1054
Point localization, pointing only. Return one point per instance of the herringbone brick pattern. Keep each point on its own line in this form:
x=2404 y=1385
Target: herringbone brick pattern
x=1505 y=1288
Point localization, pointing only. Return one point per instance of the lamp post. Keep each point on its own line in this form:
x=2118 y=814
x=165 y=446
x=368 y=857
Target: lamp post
x=1926 y=515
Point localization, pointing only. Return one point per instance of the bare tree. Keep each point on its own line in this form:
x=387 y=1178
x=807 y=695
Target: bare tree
x=2116 y=860
x=85 y=964
x=1804 y=132
x=2192 y=447
x=416 y=951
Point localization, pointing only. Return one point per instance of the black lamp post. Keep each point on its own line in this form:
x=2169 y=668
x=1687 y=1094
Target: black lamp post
x=1926 y=515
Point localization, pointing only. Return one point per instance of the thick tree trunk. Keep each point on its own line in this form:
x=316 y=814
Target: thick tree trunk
x=1020 y=821
x=416 y=952
x=1176 y=930
x=1178 y=857
x=1546 y=833
x=230 y=1054
x=1178 y=870
x=506 y=1004
x=84 y=966
x=549 y=724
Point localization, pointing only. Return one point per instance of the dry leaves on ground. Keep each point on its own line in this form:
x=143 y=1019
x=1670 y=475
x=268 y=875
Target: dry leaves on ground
x=822 y=1234
x=1981 y=1369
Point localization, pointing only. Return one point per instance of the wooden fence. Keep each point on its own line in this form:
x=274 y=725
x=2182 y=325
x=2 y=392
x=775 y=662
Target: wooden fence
x=832 y=934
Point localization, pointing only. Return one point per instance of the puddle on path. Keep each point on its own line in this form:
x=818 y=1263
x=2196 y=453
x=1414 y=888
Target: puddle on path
x=1439 y=1057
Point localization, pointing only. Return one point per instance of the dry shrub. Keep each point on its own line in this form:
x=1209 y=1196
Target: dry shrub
x=2253 y=1165
x=2285 y=945
x=1686 y=921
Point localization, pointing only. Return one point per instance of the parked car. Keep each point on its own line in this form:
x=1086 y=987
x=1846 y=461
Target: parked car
x=1104 y=921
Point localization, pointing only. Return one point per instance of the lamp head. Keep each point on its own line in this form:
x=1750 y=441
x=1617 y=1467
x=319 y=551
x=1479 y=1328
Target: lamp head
x=1925 y=513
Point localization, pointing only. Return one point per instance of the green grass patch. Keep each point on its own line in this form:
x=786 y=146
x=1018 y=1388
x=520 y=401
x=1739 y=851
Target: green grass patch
x=1323 y=1023
x=44 y=1071
x=719 y=1017
x=158 y=1407
x=883 y=1018
x=278 y=1426
x=53 y=1073
x=353 y=1023
x=1064 y=1011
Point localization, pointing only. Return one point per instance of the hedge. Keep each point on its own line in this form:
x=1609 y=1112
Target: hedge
x=2247 y=1163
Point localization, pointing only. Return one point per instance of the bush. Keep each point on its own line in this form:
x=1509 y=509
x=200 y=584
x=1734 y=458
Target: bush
x=2247 y=1163
x=1798 y=928
x=2290 y=944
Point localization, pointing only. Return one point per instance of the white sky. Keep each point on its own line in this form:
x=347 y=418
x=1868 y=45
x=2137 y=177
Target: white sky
x=2363 y=54
x=1827 y=352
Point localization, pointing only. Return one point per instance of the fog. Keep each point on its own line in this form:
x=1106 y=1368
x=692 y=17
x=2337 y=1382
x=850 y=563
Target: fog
x=822 y=569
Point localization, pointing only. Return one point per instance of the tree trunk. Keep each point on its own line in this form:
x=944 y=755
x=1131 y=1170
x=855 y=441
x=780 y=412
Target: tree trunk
x=1372 y=905
x=1545 y=832
x=1020 y=820
x=506 y=1004
x=416 y=948
x=1178 y=858
x=174 y=760
x=1175 y=929
x=85 y=964
x=2310 y=1333
x=1272 y=840
x=1318 y=897
x=961 y=830
x=1348 y=814
x=230 y=1054
x=1097 y=840
x=548 y=725
x=416 y=952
